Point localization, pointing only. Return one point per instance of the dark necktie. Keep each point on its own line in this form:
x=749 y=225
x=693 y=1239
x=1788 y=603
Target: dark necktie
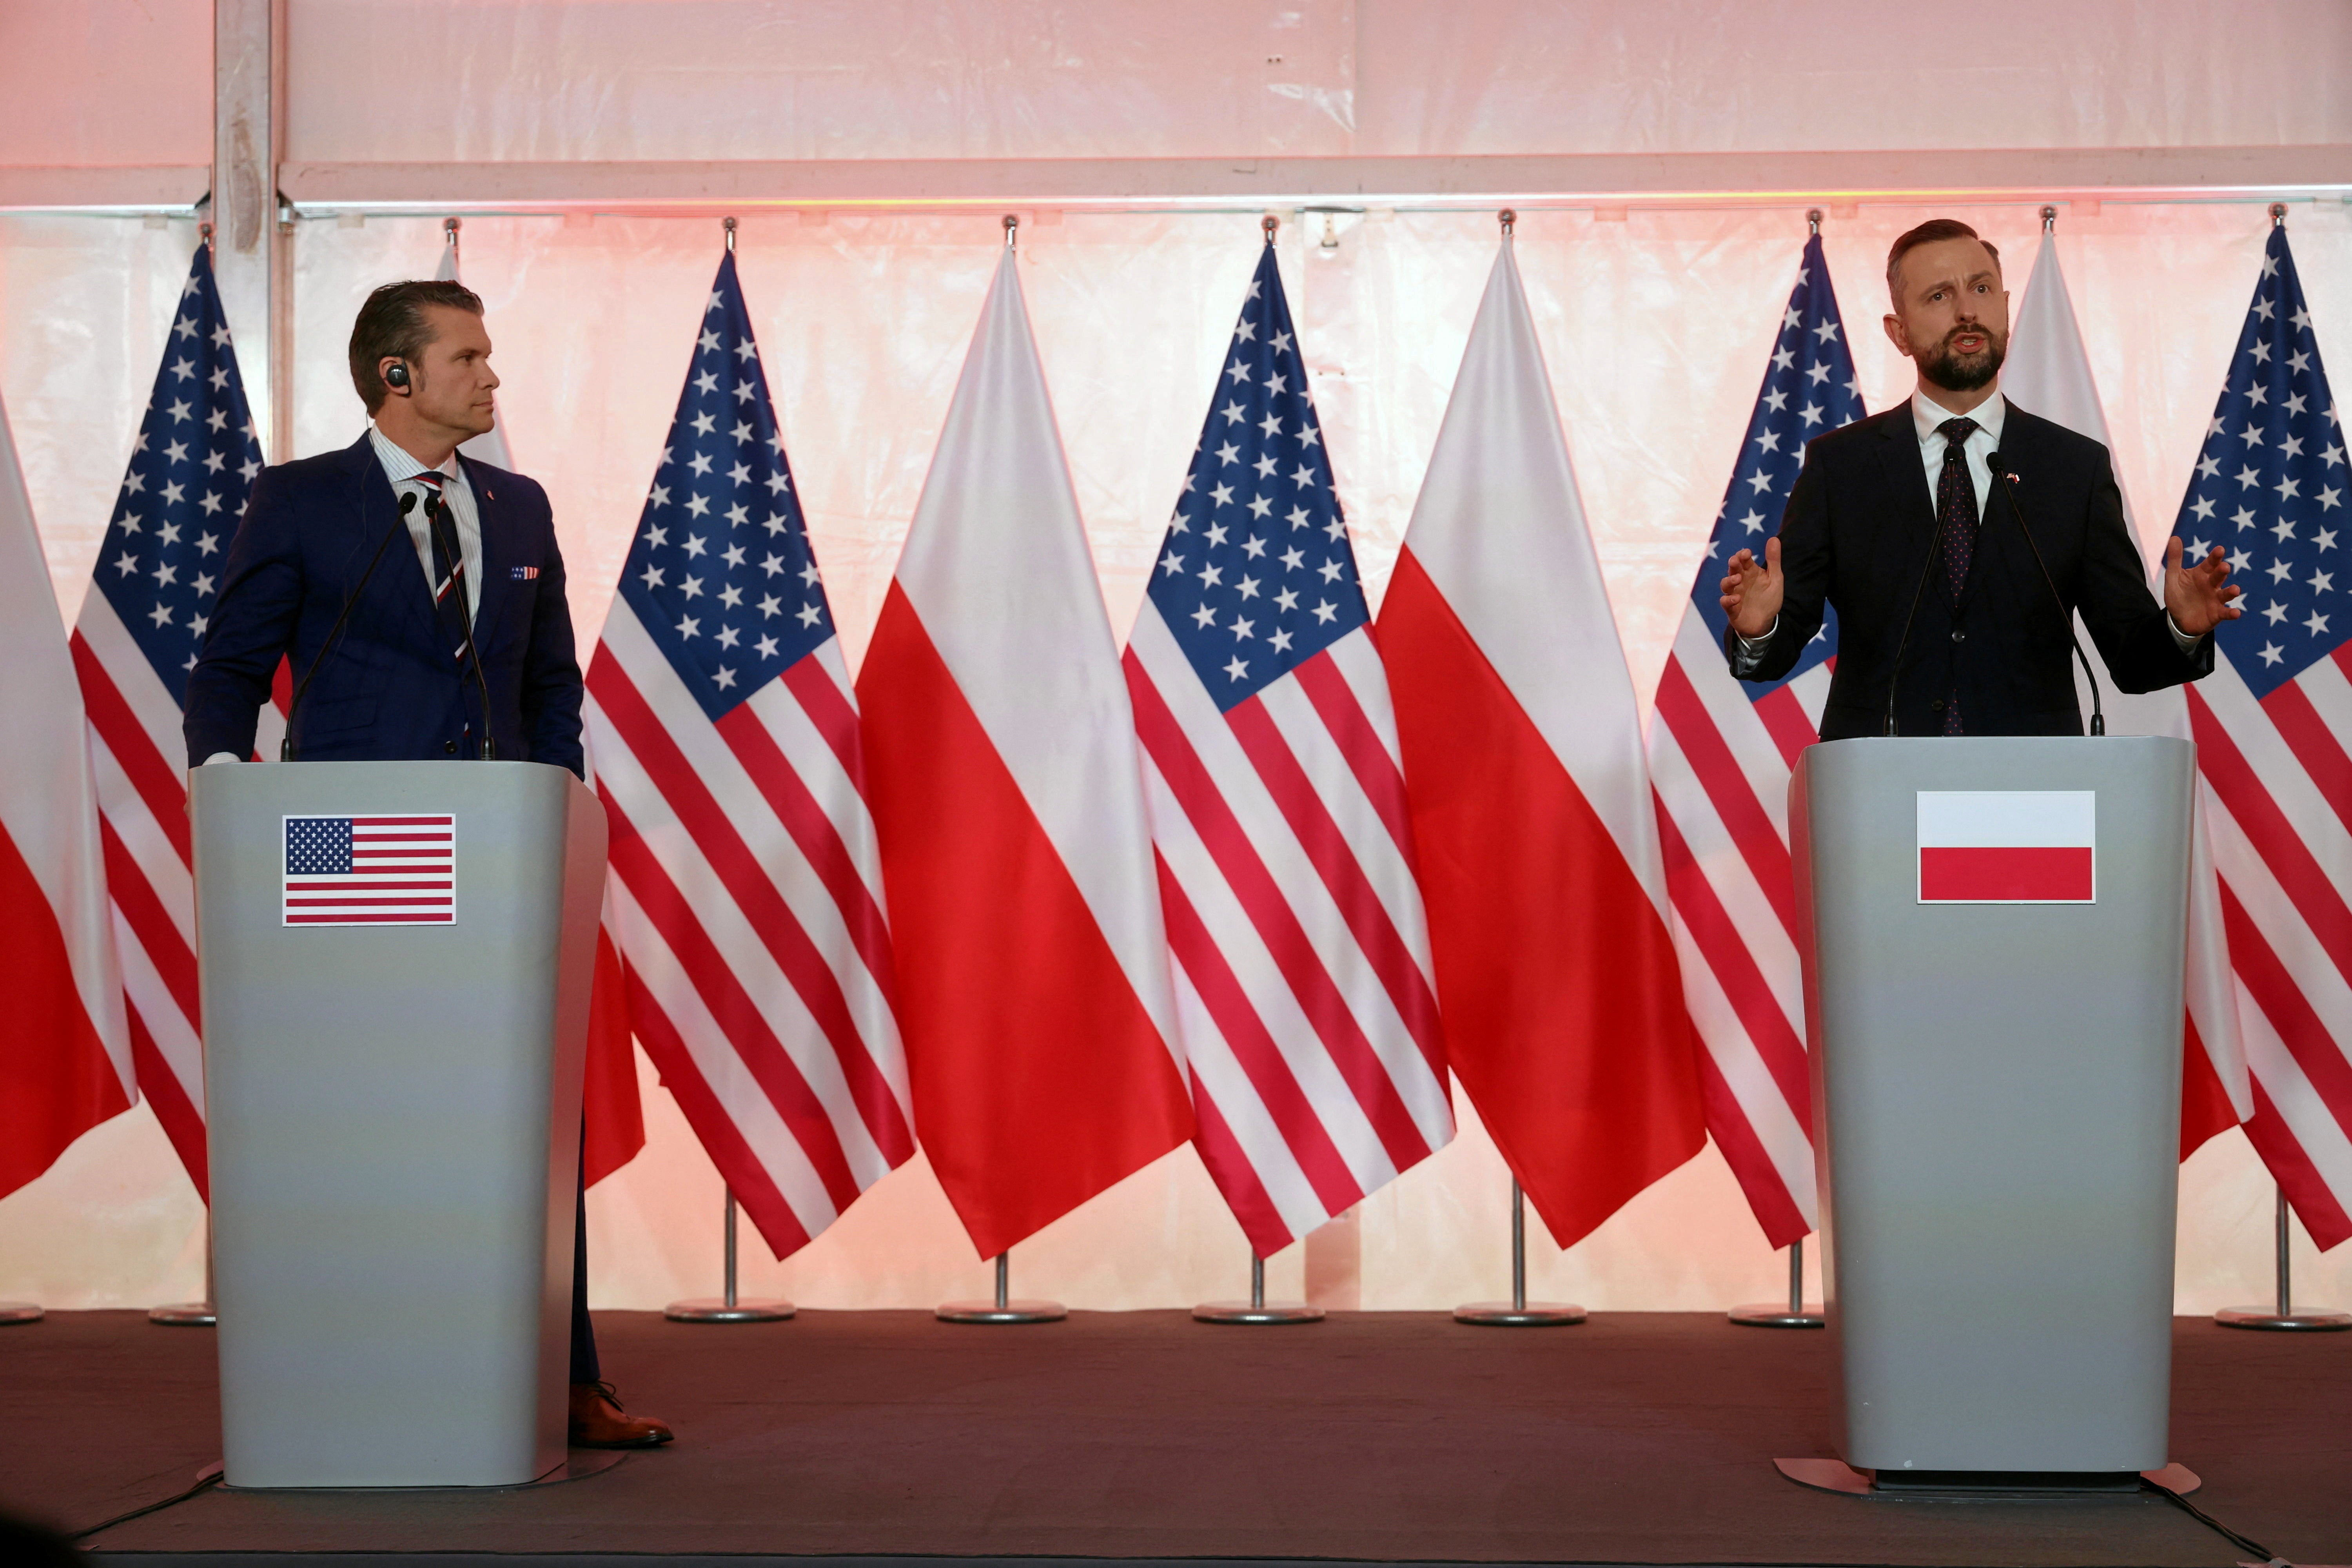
x=1955 y=520
x=449 y=568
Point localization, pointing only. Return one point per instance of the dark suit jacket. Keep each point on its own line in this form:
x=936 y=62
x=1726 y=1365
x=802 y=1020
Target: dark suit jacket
x=1857 y=533
x=390 y=690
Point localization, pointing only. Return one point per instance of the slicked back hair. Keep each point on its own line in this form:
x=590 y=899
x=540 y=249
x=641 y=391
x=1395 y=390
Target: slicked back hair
x=393 y=325
x=1934 y=230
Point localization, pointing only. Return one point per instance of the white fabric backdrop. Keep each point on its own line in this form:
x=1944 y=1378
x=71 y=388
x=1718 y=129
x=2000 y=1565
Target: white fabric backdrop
x=1656 y=329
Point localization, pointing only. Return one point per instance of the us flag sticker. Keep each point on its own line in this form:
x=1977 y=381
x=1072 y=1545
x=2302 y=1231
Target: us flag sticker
x=371 y=870
x=2008 y=847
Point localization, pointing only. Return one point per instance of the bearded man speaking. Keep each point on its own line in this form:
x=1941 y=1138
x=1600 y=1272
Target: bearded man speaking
x=1972 y=526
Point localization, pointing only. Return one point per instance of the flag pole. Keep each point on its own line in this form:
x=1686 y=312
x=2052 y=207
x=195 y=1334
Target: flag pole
x=1003 y=1309
x=1258 y=1309
x=193 y=1314
x=1518 y=1312
x=728 y=1307
x=1796 y=1312
x=2283 y=1313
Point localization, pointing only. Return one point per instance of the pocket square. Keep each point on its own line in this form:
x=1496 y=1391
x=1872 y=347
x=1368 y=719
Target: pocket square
x=525 y=573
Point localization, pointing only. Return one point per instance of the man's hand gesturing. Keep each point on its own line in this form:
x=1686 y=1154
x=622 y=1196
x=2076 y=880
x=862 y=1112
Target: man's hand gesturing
x=1751 y=595
x=2199 y=597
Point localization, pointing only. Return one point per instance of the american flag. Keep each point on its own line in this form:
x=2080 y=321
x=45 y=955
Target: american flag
x=191 y=465
x=2271 y=724
x=371 y=870
x=745 y=891
x=1720 y=755
x=1276 y=800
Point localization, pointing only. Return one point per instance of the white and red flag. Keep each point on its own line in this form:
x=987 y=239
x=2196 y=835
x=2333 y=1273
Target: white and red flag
x=2271 y=724
x=744 y=892
x=1032 y=968
x=612 y=1123
x=1530 y=804
x=1721 y=751
x=191 y=465
x=1304 y=997
x=67 y=1065
x=2048 y=373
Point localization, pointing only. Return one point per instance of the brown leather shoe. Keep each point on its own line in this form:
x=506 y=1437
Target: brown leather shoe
x=599 y=1421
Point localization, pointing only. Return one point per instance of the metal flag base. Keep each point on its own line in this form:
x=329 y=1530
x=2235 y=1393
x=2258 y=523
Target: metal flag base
x=1518 y=1312
x=1796 y=1312
x=1258 y=1309
x=19 y=1312
x=185 y=1315
x=2284 y=1316
x=727 y=1308
x=1003 y=1309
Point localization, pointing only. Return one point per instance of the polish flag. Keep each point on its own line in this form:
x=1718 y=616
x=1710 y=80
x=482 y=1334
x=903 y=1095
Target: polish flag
x=2048 y=373
x=66 y=1064
x=2008 y=847
x=1007 y=794
x=1531 y=800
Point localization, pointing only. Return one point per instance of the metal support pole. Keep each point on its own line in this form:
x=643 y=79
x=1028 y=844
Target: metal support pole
x=728 y=1309
x=1256 y=1309
x=2282 y=1315
x=192 y=1314
x=1002 y=1308
x=1794 y=1313
x=1518 y=1312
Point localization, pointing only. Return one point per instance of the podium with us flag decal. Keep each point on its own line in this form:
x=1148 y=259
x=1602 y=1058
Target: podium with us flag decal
x=395 y=960
x=1992 y=931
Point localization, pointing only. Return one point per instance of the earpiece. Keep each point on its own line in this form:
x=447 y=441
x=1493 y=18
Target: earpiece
x=397 y=375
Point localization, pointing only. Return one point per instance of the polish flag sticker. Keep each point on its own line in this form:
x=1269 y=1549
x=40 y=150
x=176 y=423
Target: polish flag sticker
x=2007 y=846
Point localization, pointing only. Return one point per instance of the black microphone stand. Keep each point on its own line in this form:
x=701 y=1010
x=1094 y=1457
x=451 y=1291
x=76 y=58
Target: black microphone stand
x=294 y=704
x=2000 y=482
x=1895 y=669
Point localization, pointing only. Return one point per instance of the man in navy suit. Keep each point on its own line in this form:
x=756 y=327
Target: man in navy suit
x=454 y=587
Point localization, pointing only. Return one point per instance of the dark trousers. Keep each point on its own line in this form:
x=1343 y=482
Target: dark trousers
x=584 y=1333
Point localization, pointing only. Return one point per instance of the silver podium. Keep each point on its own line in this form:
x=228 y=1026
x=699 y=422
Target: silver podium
x=395 y=960
x=1993 y=932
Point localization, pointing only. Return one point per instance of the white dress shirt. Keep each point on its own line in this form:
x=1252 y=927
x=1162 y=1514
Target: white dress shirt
x=457 y=495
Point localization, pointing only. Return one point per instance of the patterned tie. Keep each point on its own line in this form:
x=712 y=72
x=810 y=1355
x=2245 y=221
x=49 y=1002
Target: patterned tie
x=1955 y=519
x=448 y=569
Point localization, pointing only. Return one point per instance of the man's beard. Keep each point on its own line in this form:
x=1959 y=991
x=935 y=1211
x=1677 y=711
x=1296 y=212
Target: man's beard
x=1964 y=372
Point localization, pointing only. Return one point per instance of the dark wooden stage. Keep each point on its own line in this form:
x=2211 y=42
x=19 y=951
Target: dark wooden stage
x=1637 y=1438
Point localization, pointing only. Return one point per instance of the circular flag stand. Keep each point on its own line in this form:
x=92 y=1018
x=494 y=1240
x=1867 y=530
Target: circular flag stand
x=1003 y=1309
x=1797 y=1312
x=2285 y=1317
x=192 y=1314
x=727 y=1308
x=1518 y=1312
x=19 y=1312
x=1258 y=1309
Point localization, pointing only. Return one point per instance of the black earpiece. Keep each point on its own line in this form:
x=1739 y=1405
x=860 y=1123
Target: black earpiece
x=397 y=375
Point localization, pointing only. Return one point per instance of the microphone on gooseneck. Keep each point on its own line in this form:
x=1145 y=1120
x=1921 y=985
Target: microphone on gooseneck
x=294 y=706
x=436 y=515
x=2065 y=618
x=1895 y=667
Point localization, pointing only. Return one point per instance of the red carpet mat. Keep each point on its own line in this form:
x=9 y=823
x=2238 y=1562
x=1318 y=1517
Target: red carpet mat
x=1637 y=1438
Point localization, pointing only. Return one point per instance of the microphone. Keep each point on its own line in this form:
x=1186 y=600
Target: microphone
x=436 y=515
x=1894 y=673
x=2001 y=482
x=294 y=705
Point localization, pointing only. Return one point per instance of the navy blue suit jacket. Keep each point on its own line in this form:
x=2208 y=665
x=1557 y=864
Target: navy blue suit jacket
x=389 y=689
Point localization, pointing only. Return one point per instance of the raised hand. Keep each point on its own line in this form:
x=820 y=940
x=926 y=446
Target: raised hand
x=2198 y=596
x=1751 y=593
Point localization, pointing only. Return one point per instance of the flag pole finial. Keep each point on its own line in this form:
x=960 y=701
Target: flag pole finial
x=1267 y=224
x=1012 y=231
x=449 y=227
x=728 y=225
x=2049 y=219
x=2278 y=214
x=1509 y=219
x=204 y=235
x=1812 y=220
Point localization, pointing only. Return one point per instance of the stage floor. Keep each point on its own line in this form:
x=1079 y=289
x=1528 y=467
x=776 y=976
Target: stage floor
x=1637 y=1438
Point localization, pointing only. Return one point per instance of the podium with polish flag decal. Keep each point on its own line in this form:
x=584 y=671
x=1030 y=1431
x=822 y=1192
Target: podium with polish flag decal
x=395 y=960
x=1992 y=930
